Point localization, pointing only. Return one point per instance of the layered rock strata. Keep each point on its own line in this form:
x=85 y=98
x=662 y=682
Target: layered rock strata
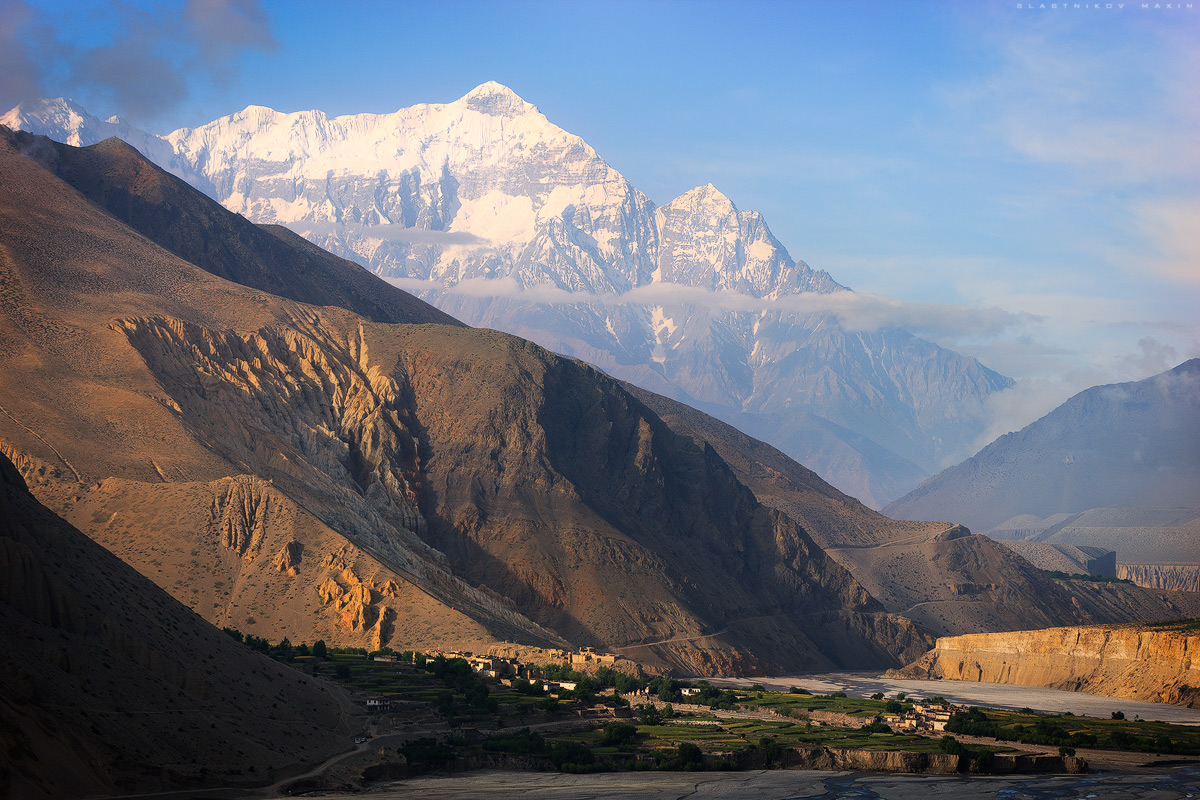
x=1138 y=663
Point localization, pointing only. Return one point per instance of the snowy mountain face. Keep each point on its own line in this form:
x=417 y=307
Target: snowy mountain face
x=499 y=217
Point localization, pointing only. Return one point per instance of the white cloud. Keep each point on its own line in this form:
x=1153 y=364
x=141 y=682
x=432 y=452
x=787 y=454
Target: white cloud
x=1172 y=226
x=1119 y=109
x=855 y=311
x=388 y=233
x=1155 y=357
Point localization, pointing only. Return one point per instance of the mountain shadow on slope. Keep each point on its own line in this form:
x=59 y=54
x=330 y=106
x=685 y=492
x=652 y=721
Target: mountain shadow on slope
x=173 y=215
x=108 y=685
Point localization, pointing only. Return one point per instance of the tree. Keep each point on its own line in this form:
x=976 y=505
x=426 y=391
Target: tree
x=649 y=715
x=342 y=671
x=950 y=745
x=571 y=753
x=477 y=696
x=318 y=649
x=690 y=756
x=619 y=733
x=877 y=696
x=770 y=749
x=1118 y=715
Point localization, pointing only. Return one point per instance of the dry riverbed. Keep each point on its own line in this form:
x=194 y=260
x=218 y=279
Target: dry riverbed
x=1167 y=783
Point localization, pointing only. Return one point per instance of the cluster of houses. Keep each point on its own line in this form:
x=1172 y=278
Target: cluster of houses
x=922 y=718
x=507 y=669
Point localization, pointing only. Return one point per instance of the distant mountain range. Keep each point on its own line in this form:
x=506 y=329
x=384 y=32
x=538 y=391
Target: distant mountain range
x=1115 y=466
x=504 y=220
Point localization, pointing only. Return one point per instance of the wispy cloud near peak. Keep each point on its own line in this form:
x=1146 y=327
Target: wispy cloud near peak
x=855 y=311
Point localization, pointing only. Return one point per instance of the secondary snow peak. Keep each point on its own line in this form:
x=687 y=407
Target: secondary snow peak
x=706 y=196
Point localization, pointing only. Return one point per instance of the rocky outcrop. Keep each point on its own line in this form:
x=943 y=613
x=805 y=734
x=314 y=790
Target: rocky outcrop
x=1172 y=577
x=287 y=560
x=1140 y=663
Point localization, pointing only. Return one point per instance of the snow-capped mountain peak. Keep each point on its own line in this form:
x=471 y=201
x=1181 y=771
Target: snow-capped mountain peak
x=59 y=114
x=523 y=227
x=705 y=197
x=64 y=120
x=496 y=99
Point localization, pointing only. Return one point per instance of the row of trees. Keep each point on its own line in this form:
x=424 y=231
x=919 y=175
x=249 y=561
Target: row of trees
x=1051 y=731
x=284 y=651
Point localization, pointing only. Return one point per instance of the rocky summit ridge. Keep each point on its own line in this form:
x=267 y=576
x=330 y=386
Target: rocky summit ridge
x=504 y=220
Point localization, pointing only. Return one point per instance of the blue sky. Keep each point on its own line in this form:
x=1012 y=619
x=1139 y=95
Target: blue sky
x=1044 y=161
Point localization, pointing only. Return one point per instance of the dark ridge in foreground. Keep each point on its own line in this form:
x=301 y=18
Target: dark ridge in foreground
x=109 y=685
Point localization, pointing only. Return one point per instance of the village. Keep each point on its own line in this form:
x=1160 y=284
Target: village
x=920 y=717
x=581 y=711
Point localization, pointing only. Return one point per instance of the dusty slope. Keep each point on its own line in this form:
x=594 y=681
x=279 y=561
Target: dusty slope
x=938 y=575
x=243 y=554
x=107 y=684
x=1155 y=664
x=523 y=490
x=74 y=283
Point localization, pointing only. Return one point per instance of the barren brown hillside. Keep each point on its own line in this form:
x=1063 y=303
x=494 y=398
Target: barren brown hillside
x=238 y=448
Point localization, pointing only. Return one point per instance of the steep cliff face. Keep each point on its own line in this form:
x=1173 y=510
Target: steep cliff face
x=1172 y=577
x=1155 y=664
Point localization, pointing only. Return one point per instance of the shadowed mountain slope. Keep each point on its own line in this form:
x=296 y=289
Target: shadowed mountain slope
x=170 y=213
x=108 y=685
x=460 y=474
x=947 y=581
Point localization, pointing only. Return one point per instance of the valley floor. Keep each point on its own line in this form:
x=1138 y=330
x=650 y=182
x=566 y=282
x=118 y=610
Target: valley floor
x=990 y=695
x=1162 y=783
